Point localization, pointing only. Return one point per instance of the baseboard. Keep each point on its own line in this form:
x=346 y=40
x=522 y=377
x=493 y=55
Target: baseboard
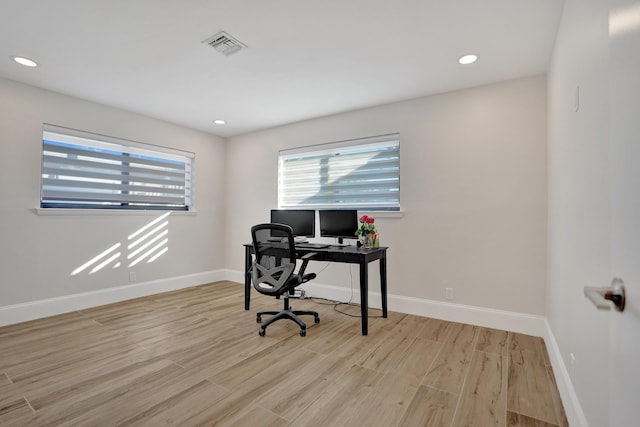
x=570 y=401
x=234 y=276
x=480 y=316
x=51 y=306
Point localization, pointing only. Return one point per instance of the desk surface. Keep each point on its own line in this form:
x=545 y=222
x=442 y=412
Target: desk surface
x=351 y=250
x=346 y=254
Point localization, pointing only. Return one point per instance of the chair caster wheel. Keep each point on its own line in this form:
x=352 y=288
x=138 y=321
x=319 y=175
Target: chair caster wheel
x=258 y=319
x=261 y=332
x=316 y=320
x=303 y=332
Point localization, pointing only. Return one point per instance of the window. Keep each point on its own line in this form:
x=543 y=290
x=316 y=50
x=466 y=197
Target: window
x=88 y=171
x=362 y=174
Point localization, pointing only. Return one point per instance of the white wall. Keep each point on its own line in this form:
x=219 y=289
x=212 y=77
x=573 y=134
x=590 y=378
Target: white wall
x=473 y=192
x=579 y=199
x=38 y=253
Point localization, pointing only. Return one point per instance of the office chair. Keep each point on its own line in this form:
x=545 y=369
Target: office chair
x=273 y=272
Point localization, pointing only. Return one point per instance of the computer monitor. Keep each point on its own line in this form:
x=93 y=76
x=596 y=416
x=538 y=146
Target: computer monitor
x=342 y=223
x=303 y=221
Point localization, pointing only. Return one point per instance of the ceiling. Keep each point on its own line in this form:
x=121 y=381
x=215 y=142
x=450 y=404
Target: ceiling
x=303 y=59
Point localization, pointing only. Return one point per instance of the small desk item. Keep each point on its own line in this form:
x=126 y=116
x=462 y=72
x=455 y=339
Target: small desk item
x=343 y=254
x=311 y=245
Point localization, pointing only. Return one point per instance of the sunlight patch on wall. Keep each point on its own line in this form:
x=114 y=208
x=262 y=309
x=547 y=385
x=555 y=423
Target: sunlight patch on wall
x=149 y=243
x=153 y=242
x=98 y=258
x=624 y=20
x=155 y=249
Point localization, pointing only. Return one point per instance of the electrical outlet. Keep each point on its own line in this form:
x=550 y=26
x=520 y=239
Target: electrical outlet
x=448 y=293
x=132 y=276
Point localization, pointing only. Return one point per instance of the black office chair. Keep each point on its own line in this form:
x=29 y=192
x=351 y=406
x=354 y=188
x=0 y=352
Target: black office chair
x=273 y=272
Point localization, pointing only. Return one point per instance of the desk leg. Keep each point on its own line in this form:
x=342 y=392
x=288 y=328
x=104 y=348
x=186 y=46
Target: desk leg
x=383 y=284
x=247 y=277
x=364 y=296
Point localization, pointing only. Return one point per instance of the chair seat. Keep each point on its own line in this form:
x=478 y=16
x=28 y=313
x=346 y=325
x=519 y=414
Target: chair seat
x=291 y=285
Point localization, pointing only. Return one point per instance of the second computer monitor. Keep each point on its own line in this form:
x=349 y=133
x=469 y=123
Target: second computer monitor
x=342 y=223
x=303 y=221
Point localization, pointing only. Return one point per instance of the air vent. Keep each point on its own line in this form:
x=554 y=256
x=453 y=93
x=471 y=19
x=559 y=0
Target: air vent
x=224 y=43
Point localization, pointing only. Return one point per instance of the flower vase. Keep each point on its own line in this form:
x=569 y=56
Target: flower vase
x=366 y=241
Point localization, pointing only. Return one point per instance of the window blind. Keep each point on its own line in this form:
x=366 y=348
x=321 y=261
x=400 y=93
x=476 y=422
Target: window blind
x=83 y=170
x=362 y=174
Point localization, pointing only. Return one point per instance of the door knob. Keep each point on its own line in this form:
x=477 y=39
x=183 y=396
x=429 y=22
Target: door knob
x=600 y=296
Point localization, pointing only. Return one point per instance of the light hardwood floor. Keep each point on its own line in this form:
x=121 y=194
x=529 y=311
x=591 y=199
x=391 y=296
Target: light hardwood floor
x=194 y=357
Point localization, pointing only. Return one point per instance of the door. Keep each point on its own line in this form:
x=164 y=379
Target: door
x=624 y=38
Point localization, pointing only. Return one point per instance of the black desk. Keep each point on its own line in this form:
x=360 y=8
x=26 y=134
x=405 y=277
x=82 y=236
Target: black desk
x=346 y=254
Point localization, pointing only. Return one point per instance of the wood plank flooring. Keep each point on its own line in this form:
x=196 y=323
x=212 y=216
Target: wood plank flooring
x=193 y=357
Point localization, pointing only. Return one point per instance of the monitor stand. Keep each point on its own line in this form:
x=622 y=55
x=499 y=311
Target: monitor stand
x=341 y=242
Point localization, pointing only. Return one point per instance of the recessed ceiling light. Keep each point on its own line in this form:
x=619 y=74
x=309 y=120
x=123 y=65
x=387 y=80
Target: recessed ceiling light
x=219 y=122
x=24 y=61
x=468 y=59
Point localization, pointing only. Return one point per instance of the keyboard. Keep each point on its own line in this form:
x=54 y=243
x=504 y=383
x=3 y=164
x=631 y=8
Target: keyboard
x=312 y=245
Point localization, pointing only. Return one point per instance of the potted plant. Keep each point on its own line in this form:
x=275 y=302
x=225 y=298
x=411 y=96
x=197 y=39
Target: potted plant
x=367 y=231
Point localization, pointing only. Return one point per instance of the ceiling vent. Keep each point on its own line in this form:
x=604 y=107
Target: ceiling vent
x=224 y=43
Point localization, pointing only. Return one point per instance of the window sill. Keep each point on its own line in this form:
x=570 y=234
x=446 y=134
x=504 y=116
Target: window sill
x=107 y=212
x=382 y=214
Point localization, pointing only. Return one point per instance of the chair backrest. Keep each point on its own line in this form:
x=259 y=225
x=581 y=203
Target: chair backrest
x=275 y=256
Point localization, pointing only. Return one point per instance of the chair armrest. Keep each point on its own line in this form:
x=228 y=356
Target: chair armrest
x=305 y=260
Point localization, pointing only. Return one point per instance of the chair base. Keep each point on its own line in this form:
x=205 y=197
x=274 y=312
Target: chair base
x=286 y=314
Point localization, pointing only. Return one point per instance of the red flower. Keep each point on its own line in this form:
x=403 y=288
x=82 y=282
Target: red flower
x=366 y=226
x=367 y=220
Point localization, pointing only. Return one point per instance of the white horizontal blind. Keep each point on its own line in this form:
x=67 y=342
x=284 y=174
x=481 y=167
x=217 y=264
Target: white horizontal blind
x=361 y=174
x=83 y=170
